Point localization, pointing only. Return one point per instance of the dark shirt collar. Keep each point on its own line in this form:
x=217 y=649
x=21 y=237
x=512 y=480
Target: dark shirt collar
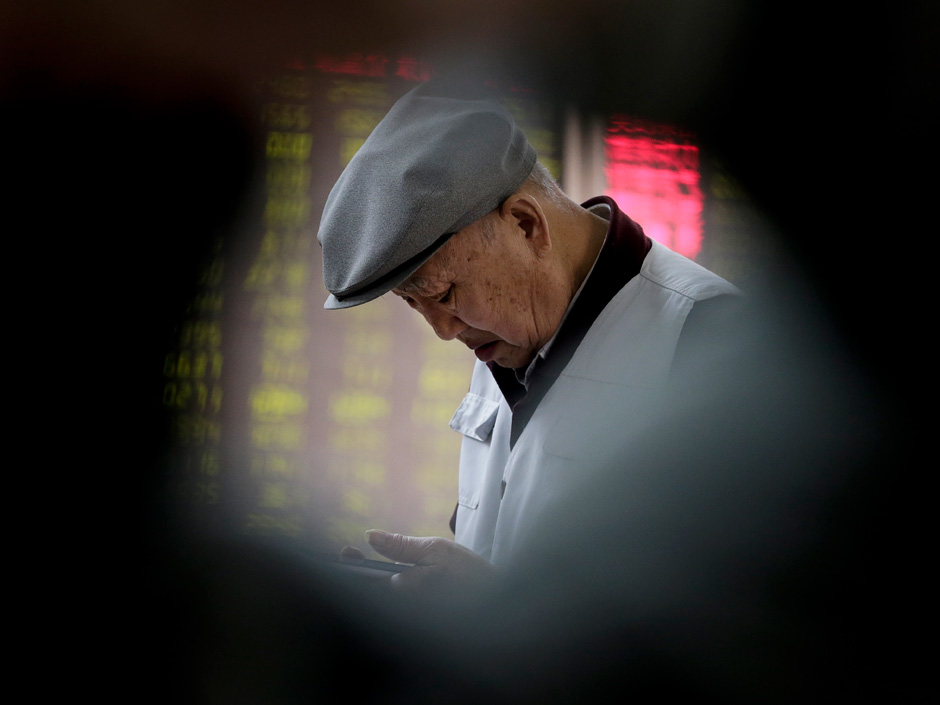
x=620 y=259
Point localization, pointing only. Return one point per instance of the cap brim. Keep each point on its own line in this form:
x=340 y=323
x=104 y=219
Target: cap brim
x=385 y=284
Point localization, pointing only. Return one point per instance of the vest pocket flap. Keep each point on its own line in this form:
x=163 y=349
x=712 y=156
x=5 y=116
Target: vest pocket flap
x=475 y=417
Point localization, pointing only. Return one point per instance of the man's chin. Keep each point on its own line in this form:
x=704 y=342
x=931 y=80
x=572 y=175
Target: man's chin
x=512 y=361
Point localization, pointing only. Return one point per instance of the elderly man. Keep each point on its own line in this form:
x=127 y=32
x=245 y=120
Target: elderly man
x=574 y=315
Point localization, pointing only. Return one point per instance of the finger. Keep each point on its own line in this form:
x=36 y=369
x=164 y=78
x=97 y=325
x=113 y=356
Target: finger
x=404 y=549
x=351 y=554
x=388 y=544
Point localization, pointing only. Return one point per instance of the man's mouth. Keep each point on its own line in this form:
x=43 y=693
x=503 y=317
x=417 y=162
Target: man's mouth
x=485 y=352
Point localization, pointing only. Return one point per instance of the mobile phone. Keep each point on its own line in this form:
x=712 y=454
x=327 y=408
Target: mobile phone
x=364 y=566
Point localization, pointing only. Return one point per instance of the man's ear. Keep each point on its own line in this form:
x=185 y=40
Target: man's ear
x=525 y=212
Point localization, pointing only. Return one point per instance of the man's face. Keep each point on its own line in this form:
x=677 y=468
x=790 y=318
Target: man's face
x=487 y=288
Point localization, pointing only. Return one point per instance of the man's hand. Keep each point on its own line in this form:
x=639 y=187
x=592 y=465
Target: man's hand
x=438 y=563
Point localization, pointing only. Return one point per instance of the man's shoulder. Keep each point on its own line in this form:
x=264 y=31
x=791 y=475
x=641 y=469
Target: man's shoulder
x=670 y=270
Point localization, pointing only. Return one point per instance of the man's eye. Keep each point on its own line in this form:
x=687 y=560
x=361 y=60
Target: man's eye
x=446 y=297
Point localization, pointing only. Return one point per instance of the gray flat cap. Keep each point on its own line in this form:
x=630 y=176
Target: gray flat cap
x=437 y=162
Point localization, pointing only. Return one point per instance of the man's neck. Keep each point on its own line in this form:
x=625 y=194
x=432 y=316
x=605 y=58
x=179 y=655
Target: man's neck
x=585 y=243
x=584 y=238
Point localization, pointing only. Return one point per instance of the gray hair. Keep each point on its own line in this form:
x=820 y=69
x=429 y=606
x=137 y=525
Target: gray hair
x=543 y=183
x=540 y=183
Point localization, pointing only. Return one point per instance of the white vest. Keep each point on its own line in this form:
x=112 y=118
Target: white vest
x=609 y=391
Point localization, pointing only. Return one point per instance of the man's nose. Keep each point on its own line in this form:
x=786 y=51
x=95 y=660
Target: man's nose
x=445 y=324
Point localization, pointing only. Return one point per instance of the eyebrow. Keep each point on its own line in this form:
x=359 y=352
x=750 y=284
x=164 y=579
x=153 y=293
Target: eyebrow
x=412 y=285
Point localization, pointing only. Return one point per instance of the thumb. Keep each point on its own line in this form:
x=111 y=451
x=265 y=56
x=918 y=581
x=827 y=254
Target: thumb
x=404 y=549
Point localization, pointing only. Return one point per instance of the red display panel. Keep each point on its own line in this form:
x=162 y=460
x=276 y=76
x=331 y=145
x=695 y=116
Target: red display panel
x=653 y=173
